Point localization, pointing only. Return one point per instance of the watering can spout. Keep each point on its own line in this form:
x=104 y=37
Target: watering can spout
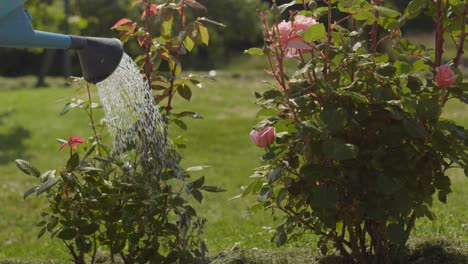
x=99 y=57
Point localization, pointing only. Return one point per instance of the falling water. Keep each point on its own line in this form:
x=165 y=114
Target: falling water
x=133 y=120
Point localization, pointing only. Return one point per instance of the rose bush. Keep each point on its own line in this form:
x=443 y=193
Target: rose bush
x=361 y=146
x=101 y=201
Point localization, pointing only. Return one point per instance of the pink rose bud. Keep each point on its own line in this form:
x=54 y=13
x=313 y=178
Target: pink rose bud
x=445 y=76
x=263 y=138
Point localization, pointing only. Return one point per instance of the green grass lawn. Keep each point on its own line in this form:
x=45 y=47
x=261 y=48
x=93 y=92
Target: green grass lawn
x=29 y=125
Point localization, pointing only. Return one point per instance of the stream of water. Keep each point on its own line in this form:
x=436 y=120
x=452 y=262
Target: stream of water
x=133 y=119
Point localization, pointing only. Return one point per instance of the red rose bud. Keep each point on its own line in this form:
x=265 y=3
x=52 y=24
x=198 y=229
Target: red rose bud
x=263 y=138
x=445 y=76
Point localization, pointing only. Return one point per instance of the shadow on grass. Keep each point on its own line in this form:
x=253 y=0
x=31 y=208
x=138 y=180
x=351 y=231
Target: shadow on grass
x=12 y=141
x=437 y=251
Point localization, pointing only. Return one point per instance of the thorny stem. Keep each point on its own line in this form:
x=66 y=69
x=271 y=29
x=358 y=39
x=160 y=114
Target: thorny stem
x=439 y=39
x=125 y=260
x=91 y=118
x=172 y=91
x=277 y=70
x=336 y=23
x=374 y=31
x=93 y=258
x=329 y=37
x=76 y=258
x=266 y=39
x=461 y=43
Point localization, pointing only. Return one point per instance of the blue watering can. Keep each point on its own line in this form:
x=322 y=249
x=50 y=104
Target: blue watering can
x=99 y=57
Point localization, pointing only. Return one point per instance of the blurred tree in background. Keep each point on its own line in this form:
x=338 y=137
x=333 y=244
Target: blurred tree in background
x=95 y=17
x=242 y=31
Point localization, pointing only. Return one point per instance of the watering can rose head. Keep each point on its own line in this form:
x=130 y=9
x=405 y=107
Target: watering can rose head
x=289 y=37
x=445 y=76
x=72 y=142
x=263 y=138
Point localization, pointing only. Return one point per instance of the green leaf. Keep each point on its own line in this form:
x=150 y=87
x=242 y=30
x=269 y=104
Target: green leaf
x=339 y=151
x=67 y=234
x=275 y=174
x=423 y=210
x=315 y=32
x=73 y=162
x=281 y=236
x=197 y=195
x=66 y=108
x=415 y=7
x=198 y=183
x=47 y=185
x=442 y=196
x=47 y=175
x=281 y=195
x=175 y=66
x=191 y=114
x=284 y=7
x=166 y=25
x=41 y=233
x=251 y=188
x=402 y=68
x=204 y=34
x=208 y=188
x=90 y=151
x=254 y=51
x=334 y=119
x=266 y=112
x=88 y=228
x=197 y=168
x=180 y=124
x=442 y=182
x=30 y=191
x=368 y=16
x=184 y=91
x=27 y=168
x=189 y=43
x=387 y=11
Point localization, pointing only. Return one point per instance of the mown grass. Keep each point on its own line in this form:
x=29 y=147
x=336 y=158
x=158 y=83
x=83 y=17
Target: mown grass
x=29 y=124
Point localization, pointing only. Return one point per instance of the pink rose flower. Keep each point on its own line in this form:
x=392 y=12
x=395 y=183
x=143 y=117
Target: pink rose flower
x=445 y=76
x=72 y=142
x=290 y=39
x=263 y=138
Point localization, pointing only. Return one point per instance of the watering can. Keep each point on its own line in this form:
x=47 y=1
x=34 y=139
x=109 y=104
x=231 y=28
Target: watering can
x=99 y=57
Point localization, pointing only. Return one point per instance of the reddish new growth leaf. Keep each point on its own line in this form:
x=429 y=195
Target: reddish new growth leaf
x=72 y=142
x=152 y=11
x=122 y=22
x=127 y=23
